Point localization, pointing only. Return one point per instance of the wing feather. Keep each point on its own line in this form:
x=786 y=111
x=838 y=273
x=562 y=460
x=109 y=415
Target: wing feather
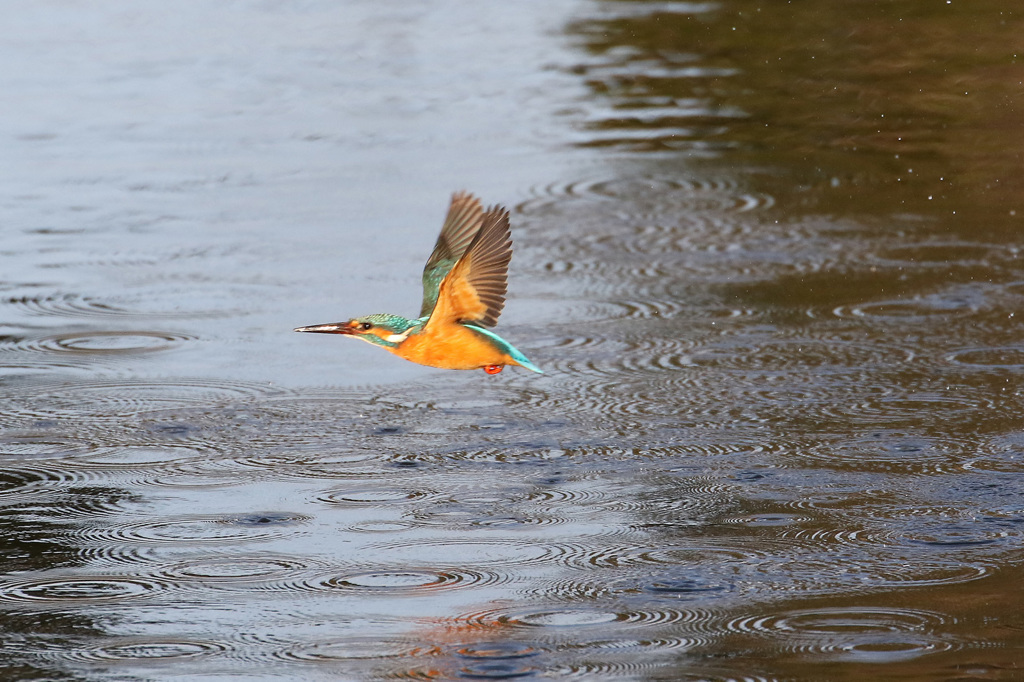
x=461 y=225
x=474 y=289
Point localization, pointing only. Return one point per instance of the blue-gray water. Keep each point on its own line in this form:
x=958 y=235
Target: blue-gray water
x=768 y=255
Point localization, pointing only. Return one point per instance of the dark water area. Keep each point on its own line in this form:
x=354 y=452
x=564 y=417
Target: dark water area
x=767 y=254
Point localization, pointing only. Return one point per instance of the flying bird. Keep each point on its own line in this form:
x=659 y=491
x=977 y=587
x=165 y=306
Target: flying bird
x=464 y=285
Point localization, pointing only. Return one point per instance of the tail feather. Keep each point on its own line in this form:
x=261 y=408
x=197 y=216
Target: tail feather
x=507 y=348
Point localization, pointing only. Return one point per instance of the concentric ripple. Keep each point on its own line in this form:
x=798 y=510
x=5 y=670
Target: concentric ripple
x=64 y=305
x=38 y=443
x=918 y=309
x=138 y=649
x=829 y=354
x=406 y=580
x=41 y=479
x=74 y=590
x=996 y=357
x=104 y=402
x=934 y=572
x=272 y=573
x=112 y=342
x=558 y=617
x=1002 y=453
x=678 y=195
x=198 y=529
x=371 y=496
x=891 y=450
x=876 y=635
x=676 y=555
x=861 y=570
x=359 y=648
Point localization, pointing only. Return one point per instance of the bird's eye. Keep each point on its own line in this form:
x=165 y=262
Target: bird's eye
x=366 y=326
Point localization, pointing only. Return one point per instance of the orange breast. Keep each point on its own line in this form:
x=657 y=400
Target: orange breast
x=451 y=347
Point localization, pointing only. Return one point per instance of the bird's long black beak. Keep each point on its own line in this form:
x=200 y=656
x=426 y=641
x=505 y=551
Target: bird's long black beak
x=332 y=328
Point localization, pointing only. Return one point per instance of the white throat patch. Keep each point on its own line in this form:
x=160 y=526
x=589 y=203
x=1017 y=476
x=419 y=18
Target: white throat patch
x=398 y=338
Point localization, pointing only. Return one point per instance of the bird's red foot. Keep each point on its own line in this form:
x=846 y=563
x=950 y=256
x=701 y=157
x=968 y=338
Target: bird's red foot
x=493 y=369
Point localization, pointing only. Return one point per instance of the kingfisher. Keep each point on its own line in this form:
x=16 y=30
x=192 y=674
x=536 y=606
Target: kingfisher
x=464 y=285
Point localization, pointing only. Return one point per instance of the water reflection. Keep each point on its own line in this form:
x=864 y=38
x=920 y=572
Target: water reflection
x=868 y=106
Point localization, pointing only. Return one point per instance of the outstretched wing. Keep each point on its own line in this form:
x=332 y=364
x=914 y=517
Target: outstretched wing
x=460 y=226
x=474 y=289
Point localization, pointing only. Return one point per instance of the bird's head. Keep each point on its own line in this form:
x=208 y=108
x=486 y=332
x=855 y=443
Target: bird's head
x=379 y=329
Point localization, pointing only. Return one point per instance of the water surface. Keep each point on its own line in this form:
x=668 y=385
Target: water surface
x=767 y=255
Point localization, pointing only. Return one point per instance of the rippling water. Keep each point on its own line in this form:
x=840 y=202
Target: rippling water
x=768 y=256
